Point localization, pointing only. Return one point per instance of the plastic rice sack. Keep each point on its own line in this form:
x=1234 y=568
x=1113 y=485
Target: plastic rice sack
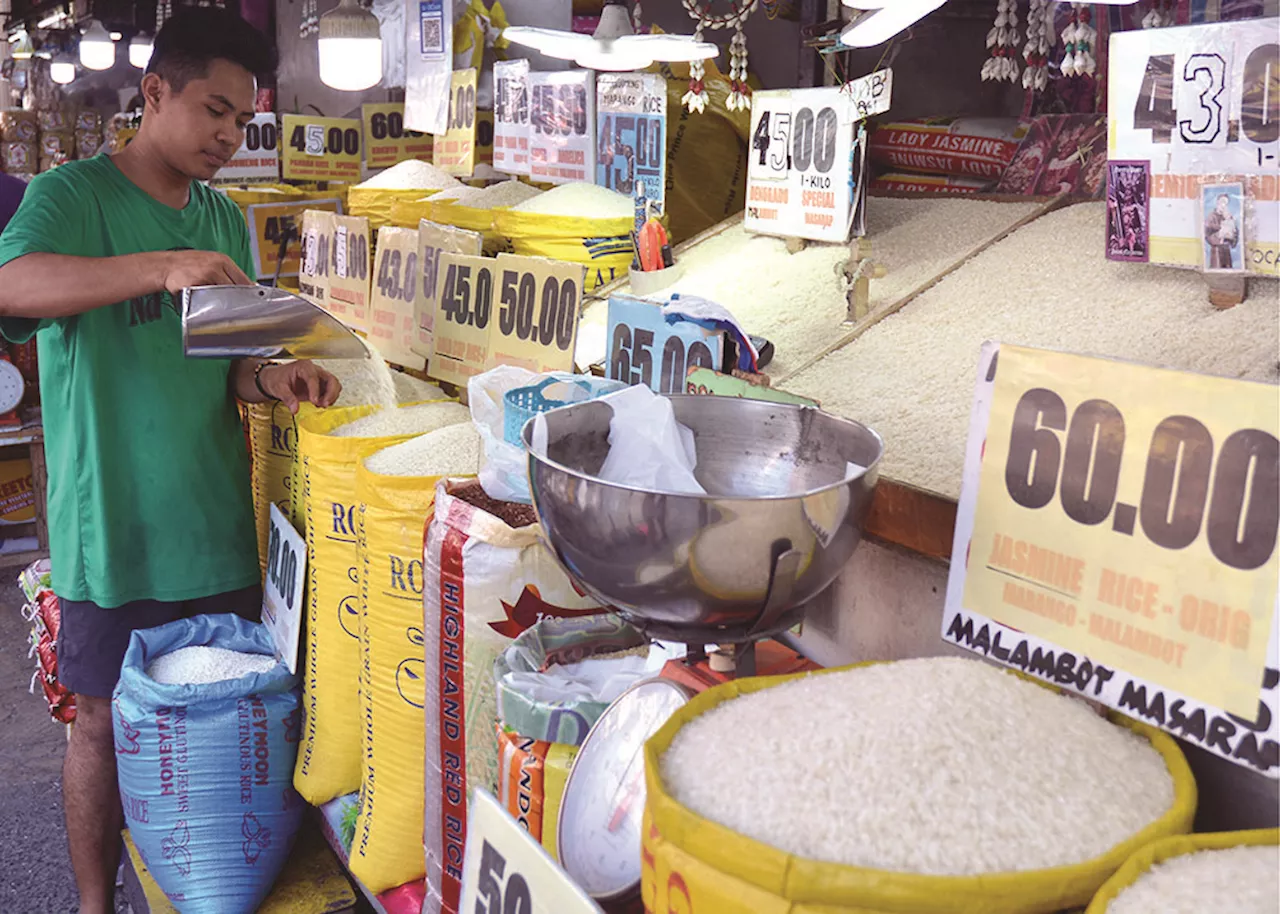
x=532 y=774
x=601 y=243
x=488 y=578
x=981 y=147
x=206 y=770
x=272 y=450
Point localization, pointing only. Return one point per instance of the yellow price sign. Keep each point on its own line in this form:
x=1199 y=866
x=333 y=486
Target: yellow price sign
x=313 y=270
x=1130 y=515
x=320 y=148
x=433 y=240
x=397 y=289
x=538 y=302
x=387 y=141
x=270 y=223
x=455 y=152
x=349 y=250
x=462 y=331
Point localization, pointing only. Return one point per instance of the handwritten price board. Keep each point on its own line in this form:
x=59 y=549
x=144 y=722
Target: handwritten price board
x=639 y=334
x=268 y=223
x=631 y=155
x=433 y=240
x=397 y=287
x=258 y=158
x=799 y=164
x=348 y=297
x=386 y=139
x=508 y=310
x=562 y=126
x=313 y=272
x=511 y=116
x=455 y=152
x=1201 y=105
x=282 y=587
x=505 y=870
x=321 y=148
x=1127 y=515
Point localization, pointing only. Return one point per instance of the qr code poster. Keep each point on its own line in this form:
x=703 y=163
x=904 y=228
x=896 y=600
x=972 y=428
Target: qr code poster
x=431 y=18
x=1128 y=211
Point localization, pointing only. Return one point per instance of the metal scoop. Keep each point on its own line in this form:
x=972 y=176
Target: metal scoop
x=228 y=322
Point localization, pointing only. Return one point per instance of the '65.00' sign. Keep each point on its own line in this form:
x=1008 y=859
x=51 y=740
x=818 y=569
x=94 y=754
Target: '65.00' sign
x=645 y=349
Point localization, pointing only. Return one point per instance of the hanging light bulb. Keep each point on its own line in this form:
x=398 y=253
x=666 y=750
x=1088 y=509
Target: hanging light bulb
x=62 y=70
x=350 y=47
x=97 y=50
x=140 y=50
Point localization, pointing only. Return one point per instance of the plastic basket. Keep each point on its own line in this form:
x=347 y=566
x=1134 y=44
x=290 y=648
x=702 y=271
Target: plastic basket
x=523 y=403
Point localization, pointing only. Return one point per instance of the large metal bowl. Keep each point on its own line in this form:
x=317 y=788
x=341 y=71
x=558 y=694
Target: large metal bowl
x=782 y=516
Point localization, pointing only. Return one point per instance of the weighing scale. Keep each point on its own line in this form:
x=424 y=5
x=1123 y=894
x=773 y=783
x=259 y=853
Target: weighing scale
x=13 y=387
x=727 y=571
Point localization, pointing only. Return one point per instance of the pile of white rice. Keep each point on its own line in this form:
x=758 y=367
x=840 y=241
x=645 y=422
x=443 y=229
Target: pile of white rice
x=200 y=665
x=405 y=420
x=1238 y=880
x=450 y=451
x=584 y=201
x=411 y=390
x=411 y=174
x=507 y=193
x=945 y=767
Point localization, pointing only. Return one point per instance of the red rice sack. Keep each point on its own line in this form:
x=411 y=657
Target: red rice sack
x=981 y=147
x=946 y=185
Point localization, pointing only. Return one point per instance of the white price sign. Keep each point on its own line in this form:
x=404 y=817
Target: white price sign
x=562 y=126
x=435 y=239
x=258 y=158
x=397 y=290
x=505 y=871
x=282 y=590
x=799 y=171
x=511 y=116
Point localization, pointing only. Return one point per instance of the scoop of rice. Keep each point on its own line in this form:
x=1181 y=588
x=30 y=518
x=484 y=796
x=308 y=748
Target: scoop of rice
x=945 y=767
x=1239 y=880
x=585 y=201
x=405 y=420
x=201 y=665
x=451 y=451
x=410 y=175
x=411 y=390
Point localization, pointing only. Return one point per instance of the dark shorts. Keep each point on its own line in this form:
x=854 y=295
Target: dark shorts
x=92 y=640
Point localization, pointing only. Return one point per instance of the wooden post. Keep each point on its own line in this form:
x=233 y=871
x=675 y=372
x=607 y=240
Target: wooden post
x=1226 y=290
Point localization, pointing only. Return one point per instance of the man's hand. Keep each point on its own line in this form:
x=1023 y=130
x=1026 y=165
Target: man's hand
x=184 y=269
x=300 y=382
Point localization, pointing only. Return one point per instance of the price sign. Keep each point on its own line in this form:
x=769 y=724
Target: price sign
x=313 y=272
x=348 y=276
x=705 y=381
x=455 y=152
x=1128 y=515
x=631 y=154
x=562 y=126
x=258 y=158
x=511 y=116
x=269 y=223
x=505 y=871
x=387 y=141
x=871 y=94
x=461 y=330
x=1196 y=101
x=321 y=148
x=282 y=589
x=645 y=349
x=397 y=287
x=433 y=240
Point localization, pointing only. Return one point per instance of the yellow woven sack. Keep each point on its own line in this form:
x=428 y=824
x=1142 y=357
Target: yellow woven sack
x=282 y=193
x=468 y=217
x=1167 y=848
x=377 y=204
x=329 y=755
x=407 y=213
x=272 y=438
x=693 y=862
x=392 y=512
x=603 y=246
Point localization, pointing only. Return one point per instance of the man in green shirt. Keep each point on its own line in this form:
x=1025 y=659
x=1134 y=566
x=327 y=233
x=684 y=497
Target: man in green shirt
x=150 y=513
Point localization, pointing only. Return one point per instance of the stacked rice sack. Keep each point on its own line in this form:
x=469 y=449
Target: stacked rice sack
x=943 y=155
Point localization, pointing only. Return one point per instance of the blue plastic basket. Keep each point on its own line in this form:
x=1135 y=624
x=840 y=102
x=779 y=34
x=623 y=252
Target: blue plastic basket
x=523 y=403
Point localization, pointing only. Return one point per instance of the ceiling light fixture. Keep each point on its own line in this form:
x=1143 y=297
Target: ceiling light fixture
x=350 y=47
x=97 y=50
x=140 y=48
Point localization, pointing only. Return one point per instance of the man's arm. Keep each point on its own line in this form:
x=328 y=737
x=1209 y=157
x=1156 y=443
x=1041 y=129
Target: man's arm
x=292 y=383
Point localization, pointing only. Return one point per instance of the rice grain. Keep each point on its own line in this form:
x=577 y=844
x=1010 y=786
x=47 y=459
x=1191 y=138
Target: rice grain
x=404 y=420
x=411 y=174
x=201 y=665
x=1239 y=880
x=579 y=200
x=450 y=451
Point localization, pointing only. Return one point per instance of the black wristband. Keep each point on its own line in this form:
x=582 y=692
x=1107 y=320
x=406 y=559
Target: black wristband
x=257 y=380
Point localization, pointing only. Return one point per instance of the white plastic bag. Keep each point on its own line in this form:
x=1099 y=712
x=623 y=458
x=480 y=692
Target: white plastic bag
x=648 y=448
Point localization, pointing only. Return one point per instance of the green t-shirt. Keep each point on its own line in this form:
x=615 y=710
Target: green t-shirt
x=149 y=495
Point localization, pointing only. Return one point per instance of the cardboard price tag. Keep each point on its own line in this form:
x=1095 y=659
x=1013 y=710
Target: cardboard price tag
x=538 y=302
x=348 y=297
x=258 y=158
x=386 y=139
x=282 y=588
x=397 y=288
x=632 y=149
x=269 y=222
x=434 y=239
x=505 y=869
x=511 y=116
x=321 y=148
x=455 y=152
x=562 y=126
x=705 y=381
x=461 y=331
x=645 y=349
x=313 y=271
x=1128 y=514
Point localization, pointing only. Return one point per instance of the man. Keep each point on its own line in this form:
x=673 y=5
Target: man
x=1220 y=233
x=11 y=191
x=149 y=507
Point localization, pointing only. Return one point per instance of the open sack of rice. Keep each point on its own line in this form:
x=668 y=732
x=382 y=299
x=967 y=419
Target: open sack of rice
x=1236 y=872
x=915 y=787
x=409 y=180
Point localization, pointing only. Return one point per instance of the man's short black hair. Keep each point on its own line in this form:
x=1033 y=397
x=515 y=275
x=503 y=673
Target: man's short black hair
x=197 y=36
